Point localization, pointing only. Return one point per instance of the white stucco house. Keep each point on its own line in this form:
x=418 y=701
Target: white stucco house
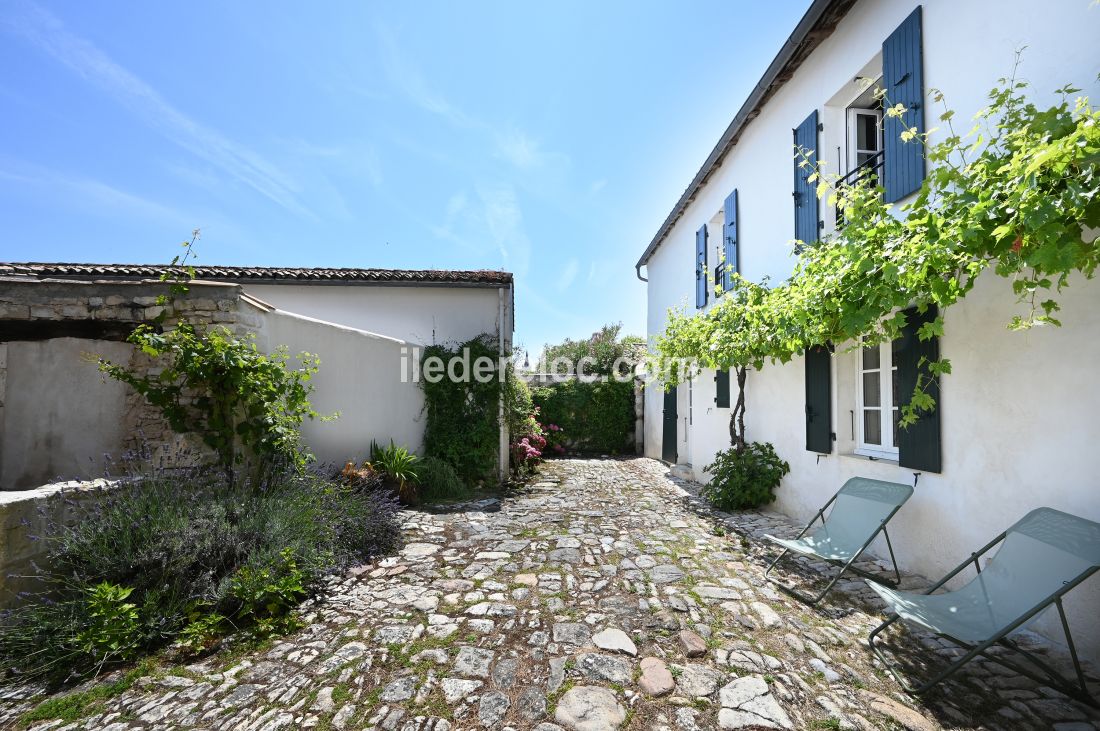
x=59 y=417
x=1016 y=425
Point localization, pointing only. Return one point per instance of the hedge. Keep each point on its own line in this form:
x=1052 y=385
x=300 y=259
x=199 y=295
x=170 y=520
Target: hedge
x=596 y=417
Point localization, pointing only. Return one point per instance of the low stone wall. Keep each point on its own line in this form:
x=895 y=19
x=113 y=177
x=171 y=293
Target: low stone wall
x=24 y=516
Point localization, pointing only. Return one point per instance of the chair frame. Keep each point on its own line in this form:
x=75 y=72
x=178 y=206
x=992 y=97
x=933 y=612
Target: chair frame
x=844 y=566
x=1052 y=677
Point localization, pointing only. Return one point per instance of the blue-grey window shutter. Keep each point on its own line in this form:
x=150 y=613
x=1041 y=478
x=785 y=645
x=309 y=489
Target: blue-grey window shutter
x=903 y=81
x=819 y=400
x=805 y=192
x=701 y=267
x=729 y=240
x=722 y=389
x=919 y=443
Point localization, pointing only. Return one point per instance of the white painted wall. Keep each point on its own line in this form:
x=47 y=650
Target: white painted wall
x=359 y=376
x=420 y=314
x=1018 y=412
x=53 y=408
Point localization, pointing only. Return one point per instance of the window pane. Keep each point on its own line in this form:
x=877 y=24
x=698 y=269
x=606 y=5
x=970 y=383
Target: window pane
x=895 y=388
x=866 y=132
x=897 y=419
x=871 y=385
x=872 y=426
x=870 y=358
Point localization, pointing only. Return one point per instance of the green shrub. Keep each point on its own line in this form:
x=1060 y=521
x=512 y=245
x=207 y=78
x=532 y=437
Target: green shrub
x=595 y=417
x=187 y=556
x=395 y=461
x=744 y=480
x=439 y=481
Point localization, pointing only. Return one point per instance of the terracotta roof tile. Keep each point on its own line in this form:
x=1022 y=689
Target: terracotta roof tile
x=303 y=275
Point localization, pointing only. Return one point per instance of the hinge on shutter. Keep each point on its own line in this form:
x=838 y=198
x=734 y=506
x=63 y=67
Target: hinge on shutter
x=820 y=126
x=794 y=133
x=821 y=224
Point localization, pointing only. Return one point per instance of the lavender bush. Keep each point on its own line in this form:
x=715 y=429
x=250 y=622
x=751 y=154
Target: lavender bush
x=168 y=552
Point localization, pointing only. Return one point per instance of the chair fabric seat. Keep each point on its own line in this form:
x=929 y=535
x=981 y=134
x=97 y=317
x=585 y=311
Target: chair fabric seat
x=819 y=546
x=964 y=615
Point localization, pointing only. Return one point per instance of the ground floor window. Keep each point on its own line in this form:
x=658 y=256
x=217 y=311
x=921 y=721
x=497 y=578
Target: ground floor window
x=877 y=396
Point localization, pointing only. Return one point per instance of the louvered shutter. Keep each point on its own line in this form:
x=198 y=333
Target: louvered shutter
x=729 y=242
x=805 y=192
x=919 y=443
x=722 y=389
x=701 y=267
x=819 y=402
x=903 y=80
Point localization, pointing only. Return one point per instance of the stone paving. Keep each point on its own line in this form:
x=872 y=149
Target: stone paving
x=604 y=595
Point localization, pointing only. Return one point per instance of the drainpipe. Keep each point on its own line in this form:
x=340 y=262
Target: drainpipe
x=502 y=457
x=638 y=272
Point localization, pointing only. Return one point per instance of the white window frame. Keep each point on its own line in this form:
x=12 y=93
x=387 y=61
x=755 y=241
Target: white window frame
x=887 y=407
x=853 y=134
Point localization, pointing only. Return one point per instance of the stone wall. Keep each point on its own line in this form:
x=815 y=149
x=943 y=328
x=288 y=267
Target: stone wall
x=25 y=515
x=60 y=417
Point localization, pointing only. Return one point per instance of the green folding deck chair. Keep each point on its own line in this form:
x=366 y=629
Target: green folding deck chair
x=1042 y=557
x=861 y=510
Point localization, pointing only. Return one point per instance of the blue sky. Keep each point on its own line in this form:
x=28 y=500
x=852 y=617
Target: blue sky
x=546 y=139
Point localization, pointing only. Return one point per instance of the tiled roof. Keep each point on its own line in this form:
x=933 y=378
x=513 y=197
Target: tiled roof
x=296 y=275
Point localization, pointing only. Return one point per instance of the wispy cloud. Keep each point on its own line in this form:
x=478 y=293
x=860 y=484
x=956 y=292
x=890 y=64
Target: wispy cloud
x=408 y=79
x=519 y=149
x=504 y=220
x=46 y=31
x=597 y=186
x=568 y=275
x=91 y=194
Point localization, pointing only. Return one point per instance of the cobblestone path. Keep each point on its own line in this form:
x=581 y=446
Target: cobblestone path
x=602 y=596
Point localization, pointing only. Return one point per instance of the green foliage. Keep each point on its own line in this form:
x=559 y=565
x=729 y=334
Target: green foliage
x=112 y=631
x=462 y=425
x=267 y=594
x=744 y=479
x=595 y=417
x=1018 y=194
x=439 y=481
x=245 y=405
x=605 y=352
x=395 y=461
x=186 y=557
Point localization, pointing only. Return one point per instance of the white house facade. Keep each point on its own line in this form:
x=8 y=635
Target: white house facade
x=1016 y=427
x=59 y=417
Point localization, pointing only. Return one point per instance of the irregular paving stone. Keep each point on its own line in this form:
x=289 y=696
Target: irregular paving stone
x=504 y=673
x=906 y=717
x=692 y=644
x=573 y=633
x=455 y=689
x=608 y=668
x=748 y=702
x=656 y=680
x=665 y=574
x=531 y=704
x=473 y=662
x=420 y=549
x=494 y=705
x=401 y=689
x=615 y=640
x=589 y=708
x=696 y=680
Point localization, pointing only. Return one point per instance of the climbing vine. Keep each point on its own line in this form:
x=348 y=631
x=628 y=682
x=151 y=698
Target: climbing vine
x=1017 y=193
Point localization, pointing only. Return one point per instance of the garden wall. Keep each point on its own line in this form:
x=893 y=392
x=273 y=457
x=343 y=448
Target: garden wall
x=59 y=417
x=24 y=515
x=360 y=377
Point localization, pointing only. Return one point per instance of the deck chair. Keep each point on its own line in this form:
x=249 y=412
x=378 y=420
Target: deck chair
x=1042 y=557
x=861 y=510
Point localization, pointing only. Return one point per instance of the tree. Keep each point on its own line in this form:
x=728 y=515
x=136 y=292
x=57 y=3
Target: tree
x=601 y=354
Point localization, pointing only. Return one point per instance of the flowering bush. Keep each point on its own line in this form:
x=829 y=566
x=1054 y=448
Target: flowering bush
x=555 y=440
x=528 y=445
